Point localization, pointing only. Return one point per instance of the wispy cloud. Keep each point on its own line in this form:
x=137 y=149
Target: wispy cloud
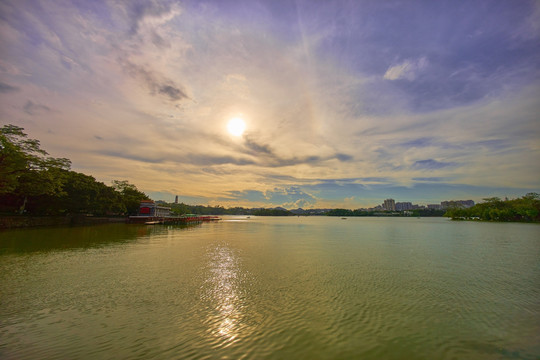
x=408 y=69
x=32 y=108
x=430 y=164
x=6 y=88
x=157 y=84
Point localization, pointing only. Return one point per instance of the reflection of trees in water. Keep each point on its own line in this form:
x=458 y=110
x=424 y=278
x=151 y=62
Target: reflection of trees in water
x=72 y=237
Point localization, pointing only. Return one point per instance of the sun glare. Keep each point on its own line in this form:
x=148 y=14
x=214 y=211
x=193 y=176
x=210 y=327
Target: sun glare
x=236 y=126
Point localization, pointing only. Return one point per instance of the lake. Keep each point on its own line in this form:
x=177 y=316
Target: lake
x=272 y=288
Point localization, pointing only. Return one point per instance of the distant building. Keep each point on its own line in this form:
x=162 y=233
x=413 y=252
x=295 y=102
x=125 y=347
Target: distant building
x=149 y=208
x=389 y=205
x=176 y=199
x=403 y=206
x=434 y=206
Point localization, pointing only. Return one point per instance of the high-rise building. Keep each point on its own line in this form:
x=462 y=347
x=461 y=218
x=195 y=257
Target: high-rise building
x=176 y=199
x=389 y=205
x=402 y=206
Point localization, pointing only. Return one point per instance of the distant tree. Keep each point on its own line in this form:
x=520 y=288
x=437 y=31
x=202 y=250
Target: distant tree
x=130 y=195
x=272 y=212
x=428 y=212
x=180 y=209
x=340 y=212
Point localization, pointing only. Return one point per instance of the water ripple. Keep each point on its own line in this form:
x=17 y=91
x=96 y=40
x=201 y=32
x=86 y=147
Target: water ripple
x=279 y=288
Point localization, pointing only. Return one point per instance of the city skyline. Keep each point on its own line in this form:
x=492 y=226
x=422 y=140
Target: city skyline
x=274 y=103
x=397 y=205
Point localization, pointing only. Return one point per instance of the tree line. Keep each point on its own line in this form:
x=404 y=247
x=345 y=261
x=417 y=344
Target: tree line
x=523 y=209
x=182 y=208
x=32 y=182
x=359 y=212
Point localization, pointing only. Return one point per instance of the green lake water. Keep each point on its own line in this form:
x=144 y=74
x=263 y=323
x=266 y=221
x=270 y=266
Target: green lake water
x=272 y=288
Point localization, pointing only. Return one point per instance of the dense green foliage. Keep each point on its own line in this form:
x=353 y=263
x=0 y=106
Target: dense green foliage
x=524 y=209
x=25 y=169
x=32 y=182
x=182 y=208
x=342 y=212
x=427 y=212
x=272 y=212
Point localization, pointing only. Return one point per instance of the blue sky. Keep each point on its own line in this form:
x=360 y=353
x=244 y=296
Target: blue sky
x=346 y=103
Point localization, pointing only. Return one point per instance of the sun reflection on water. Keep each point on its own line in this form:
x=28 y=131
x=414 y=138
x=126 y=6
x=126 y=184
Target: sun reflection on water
x=224 y=295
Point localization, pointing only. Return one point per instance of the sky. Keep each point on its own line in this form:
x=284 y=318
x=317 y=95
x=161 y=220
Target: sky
x=345 y=103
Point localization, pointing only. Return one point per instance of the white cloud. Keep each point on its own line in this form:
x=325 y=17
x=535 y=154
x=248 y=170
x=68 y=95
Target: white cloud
x=407 y=70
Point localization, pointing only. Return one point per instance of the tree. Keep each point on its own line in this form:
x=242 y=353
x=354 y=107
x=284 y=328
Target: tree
x=131 y=196
x=340 y=212
x=526 y=209
x=25 y=168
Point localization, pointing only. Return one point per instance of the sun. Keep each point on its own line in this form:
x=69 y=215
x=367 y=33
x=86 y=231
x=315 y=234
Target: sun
x=236 y=126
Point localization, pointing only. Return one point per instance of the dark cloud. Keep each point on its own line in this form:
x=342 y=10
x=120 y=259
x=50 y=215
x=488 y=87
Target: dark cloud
x=431 y=141
x=311 y=159
x=430 y=179
x=156 y=83
x=283 y=178
x=281 y=162
x=215 y=171
x=430 y=164
x=376 y=179
x=6 y=88
x=172 y=92
x=277 y=161
x=207 y=160
x=195 y=159
x=421 y=142
x=35 y=109
x=130 y=156
x=159 y=41
x=343 y=157
x=495 y=144
x=256 y=147
x=357 y=181
x=268 y=158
